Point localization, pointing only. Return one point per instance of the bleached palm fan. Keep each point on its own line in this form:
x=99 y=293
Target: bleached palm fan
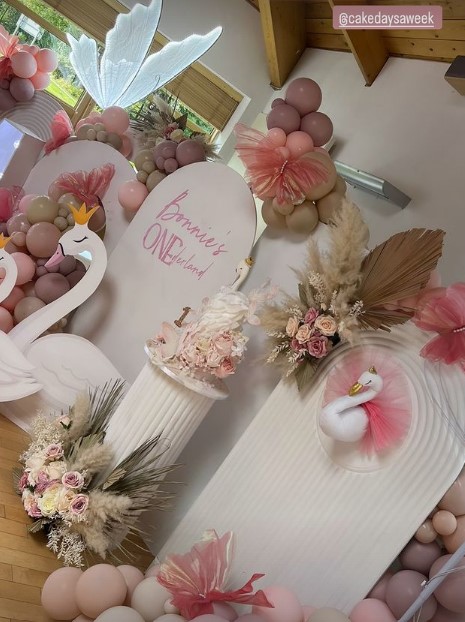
x=124 y=75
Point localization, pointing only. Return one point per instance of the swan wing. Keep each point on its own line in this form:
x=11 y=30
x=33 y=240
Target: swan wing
x=67 y=365
x=17 y=374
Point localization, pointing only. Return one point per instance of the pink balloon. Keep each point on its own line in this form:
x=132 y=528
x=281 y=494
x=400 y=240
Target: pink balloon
x=286 y=605
x=132 y=194
x=26 y=268
x=127 y=146
x=133 y=576
x=23 y=64
x=22 y=89
x=51 y=286
x=277 y=102
x=58 y=594
x=206 y=617
x=378 y=591
x=371 y=609
x=115 y=119
x=403 y=589
x=40 y=80
x=25 y=202
x=451 y=592
x=12 y=300
x=6 y=320
x=46 y=60
x=42 y=239
x=277 y=136
x=100 y=587
x=299 y=143
x=284 y=152
x=74 y=277
x=160 y=163
x=7 y=101
x=319 y=126
x=189 y=151
x=171 y=165
x=420 y=557
x=225 y=611
x=152 y=571
x=285 y=117
x=304 y=94
x=165 y=149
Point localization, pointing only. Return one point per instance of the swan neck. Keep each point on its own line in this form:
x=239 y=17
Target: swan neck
x=361 y=398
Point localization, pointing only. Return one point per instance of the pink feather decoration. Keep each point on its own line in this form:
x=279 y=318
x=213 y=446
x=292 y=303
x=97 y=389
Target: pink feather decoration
x=389 y=414
x=61 y=128
x=87 y=187
x=444 y=314
x=197 y=579
x=271 y=172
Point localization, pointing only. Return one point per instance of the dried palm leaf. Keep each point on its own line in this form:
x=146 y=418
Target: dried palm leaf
x=396 y=269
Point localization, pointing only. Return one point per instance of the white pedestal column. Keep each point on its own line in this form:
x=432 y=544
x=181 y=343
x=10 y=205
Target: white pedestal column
x=156 y=404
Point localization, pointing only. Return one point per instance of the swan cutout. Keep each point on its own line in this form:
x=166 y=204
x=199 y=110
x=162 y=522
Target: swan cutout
x=11 y=270
x=60 y=365
x=346 y=418
x=242 y=272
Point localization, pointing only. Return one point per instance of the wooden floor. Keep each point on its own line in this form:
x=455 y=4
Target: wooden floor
x=25 y=562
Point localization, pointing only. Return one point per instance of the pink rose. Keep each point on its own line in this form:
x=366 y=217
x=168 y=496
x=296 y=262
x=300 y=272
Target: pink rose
x=296 y=346
x=42 y=482
x=223 y=344
x=292 y=326
x=22 y=484
x=311 y=315
x=226 y=368
x=318 y=346
x=54 y=451
x=79 y=505
x=326 y=325
x=30 y=505
x=73 y=479
x=304 y=333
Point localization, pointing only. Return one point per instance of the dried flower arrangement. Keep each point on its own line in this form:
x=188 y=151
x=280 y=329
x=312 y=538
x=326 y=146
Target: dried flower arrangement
x=66 y=487
x=346 y=290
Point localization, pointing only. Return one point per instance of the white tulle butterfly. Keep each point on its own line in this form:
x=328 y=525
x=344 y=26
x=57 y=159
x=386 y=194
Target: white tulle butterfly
x=124 y=75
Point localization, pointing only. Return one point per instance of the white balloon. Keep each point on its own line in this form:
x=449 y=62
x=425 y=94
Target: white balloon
x=170 y=608
x=119 y=614
x=149 y=599
x=170 y=617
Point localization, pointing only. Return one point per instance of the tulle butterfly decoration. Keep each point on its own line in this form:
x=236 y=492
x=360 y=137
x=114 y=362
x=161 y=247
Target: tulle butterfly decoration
x=124 y=75
x=88 y=187
x=61 y=128
x=444 y=313
x=8 y=46
x=198 y=579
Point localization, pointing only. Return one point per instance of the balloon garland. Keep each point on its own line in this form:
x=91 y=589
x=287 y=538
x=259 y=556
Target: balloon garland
x=24 y=69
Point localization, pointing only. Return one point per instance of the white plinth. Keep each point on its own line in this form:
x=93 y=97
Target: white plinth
x=156 y=404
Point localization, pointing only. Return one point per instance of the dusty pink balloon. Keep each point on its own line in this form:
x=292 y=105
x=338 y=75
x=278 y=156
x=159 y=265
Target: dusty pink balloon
x=127 y=145
x=277 y=102
x=26 y=267
x=451 y=592
x=132 y=194
x=7 y=101
x=115 y=119
x=456 y=539
x=12 y=299
x=29 y=289
x=319 y=126
x=46 y=60
x=100 y=587
x=50 y=287
x=299 y=143
x=74 y=277
x=58 y=594
x=225 y=610
x=6 y=320
x=378 y=591
x=403 y=589
x=189 y=151
x=444 y=615
x=165 y=149
x=42 y=239
x=18 y=222
x=23 y=64
x=418 y=556
x=19 y=239
x=286 y=605
x=371 y=609
x=285 y=117
x=26 y=307
x=68 y=265
x=22 y=89
x=133 y=576
x=304 y=94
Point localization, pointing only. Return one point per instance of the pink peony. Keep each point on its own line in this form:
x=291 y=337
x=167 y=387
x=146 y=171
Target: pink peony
x=304 y=333
x=226 y=368
x=73 y=479
x=311 y=315
x=79 y=505
x=54 y=451
x=42 y=482
x=318 y=346
x=292 y=326
x=33 y=510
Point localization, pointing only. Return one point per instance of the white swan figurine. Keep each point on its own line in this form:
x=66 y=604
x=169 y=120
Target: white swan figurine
x=60 y=365
x=11 y=270
x=344 y=419
x=242 y=271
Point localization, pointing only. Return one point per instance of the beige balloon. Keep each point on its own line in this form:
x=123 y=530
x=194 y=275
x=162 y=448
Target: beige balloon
x=303 y=219
x=142 y=176
x=328 y=206
x=42 y=209
x=114 y=140
x=148 y=599
x=285 y=209
x=341 y=186
x=328 y=614
x=456 y=539
x=143 y=156
x=81 y=134
x=68 y=199
x=154 y=179
x=320 y=190
x=272 y=218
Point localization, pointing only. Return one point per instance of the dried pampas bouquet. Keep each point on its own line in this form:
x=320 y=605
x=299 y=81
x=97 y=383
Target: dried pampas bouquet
x=68 y=486
x=346 y=290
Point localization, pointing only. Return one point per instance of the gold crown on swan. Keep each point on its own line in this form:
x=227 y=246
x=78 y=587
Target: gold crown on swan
x=81 y=215
x=3 y=240
x=372 y=370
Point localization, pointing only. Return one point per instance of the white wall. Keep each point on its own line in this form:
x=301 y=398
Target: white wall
x=238 y=56
x=409 y=127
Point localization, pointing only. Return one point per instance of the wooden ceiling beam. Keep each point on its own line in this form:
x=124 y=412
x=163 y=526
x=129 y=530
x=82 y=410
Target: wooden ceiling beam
x=283 y=25
x=367 y=46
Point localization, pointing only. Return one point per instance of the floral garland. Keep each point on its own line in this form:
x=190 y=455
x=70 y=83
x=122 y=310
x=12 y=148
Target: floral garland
x=64 y=487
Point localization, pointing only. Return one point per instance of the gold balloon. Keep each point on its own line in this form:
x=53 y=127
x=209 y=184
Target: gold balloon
x=320 y=190
x=272 y=218
x=303 y=219
x=143 y=156
x=154 y=179
x=328 y=206
x=142 y=176
x=341 y=186
x=42 y=209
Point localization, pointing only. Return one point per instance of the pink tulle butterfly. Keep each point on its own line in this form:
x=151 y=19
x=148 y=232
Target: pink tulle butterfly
x=197 y=579
x=9 y=201
x=87 y=187
x=8 y=45
x=444 y=314
x=61 y=128
x=389 y=413
x=272 y=172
